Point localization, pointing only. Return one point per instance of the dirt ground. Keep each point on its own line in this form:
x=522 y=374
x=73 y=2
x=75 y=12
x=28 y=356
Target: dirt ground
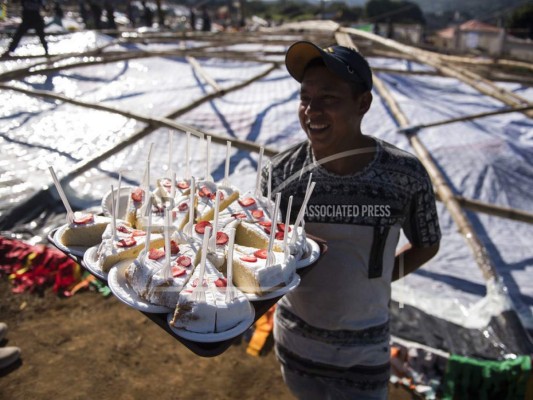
x=92 y=347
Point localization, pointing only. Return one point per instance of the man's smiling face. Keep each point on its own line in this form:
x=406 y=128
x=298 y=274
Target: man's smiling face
x=329 y=112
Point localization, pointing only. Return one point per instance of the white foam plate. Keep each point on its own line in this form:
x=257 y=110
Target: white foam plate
x=314 y=253
x=116 y=280
x=90 y=262
x=214 y=337
x=276 y=293
x=75 y=250
x=122 y=204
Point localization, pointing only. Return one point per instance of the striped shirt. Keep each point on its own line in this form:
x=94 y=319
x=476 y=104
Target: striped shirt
x=336 y=323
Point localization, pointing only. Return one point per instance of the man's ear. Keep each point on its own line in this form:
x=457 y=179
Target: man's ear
x=366 y=101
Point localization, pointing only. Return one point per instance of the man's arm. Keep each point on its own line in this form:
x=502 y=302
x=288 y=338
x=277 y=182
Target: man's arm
x=412 y=258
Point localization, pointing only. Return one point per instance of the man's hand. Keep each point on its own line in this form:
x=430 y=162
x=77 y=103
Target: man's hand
x=412 y=258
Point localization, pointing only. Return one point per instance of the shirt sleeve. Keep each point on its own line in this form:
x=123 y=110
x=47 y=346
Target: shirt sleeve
x=421 y=226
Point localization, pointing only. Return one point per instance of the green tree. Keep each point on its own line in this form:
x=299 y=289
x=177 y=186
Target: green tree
x=394 y=11
x=520 y=23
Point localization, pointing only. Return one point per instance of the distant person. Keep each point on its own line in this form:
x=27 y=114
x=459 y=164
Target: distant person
x=206 y=20
x=148 y=15
x=110 y=14
x=58 y=14
x=96 y=11
x=8 y=355
x=133 y=13
x=84 y=14
x=192 y=18
x=31 y=19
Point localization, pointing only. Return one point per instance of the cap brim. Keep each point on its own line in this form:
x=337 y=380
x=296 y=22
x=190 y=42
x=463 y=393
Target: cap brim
x=298 y=56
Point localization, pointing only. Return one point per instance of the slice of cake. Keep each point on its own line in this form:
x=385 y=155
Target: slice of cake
x=211 y=314
x=180 y=216
x=126 y=243
x=85 y=231
x=251 y=274
x=158 y=283
x=205 y=194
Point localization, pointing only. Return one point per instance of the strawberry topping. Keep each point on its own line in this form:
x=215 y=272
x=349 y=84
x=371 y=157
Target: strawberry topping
x=166 y=183
x=281 y=227
x=178 y=271
x=247 y=202
x=184 y=261
x=156 y=254
x=84 y=219
x=205 y=192
x=258 y=214
x=221 y=282
x=183 y=185
x=123 y=229
x=240 y=215
x=267 y=230
x=174 y=248
x=261 y=253
x=249 y=258
x=200 y=227
x=127 y=242
x=279 y=235
x=265 y=223
x=183 y=206
x=138 y=232
x=137 y=194
x=222 y=238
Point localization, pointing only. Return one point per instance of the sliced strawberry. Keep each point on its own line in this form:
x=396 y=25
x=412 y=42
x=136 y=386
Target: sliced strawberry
x=279 y=235
x=184 y=261
x=267 y=230
x=247 y=202
x=220 y=196
x=156 y=254
x=261 y=253
x=84 y=219
x=222 y=238
x=127 y=242
x=166 y=183
x=258 y=214
x=281 y=227
x=265 y=223
x=205 y=192
x=174 y=248
x=123 y=229
x=240 y=215
x=221 y=282
x=195 y=283
x=200 y=227
x=183 y=206
x=138 y=232
x=248 y=258
x=137 y=194
x=183 y=185
x=178 y=271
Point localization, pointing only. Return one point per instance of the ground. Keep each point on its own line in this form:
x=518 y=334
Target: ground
x=91 y=347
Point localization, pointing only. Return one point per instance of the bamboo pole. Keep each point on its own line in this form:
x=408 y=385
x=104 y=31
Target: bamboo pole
x=497 y=211
x=468 y=118
x=198 y=68
x=433 y=60
x=153 y=123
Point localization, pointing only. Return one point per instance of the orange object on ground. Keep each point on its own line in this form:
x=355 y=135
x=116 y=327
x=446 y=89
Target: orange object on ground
x=263 y=329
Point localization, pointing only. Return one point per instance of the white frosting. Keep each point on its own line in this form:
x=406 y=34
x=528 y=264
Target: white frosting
x=266 y=278
x=152 y=282
x=179 y=216
x=213 y=315
x=205 y=204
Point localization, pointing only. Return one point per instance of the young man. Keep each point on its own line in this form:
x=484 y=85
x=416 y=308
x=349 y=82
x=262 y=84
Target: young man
x=31 y=19
x=332 y=332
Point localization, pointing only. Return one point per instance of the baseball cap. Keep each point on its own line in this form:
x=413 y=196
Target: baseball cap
x=345 y=62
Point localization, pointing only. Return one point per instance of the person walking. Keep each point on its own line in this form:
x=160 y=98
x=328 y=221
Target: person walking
x=31 y=19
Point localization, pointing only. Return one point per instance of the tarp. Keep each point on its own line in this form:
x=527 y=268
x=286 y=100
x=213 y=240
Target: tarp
x=490 y=159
